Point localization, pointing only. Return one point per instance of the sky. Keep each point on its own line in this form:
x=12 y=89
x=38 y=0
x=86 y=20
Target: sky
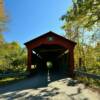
x=28 y=19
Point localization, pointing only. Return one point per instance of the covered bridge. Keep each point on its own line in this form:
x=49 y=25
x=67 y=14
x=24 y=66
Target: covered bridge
x=51 y=47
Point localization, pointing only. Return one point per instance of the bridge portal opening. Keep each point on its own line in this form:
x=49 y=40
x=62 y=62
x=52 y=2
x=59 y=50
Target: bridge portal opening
x=55 y=54
x=51 y=48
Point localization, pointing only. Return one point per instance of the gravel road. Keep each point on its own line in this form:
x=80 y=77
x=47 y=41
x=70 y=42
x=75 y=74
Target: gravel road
x=38 y=88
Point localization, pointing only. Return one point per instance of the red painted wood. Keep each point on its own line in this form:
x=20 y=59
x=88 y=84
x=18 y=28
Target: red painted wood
x=57 y=40
x=29 y=60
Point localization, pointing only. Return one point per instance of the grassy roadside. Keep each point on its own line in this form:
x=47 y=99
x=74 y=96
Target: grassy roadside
x=94 y=85
x=9 y=80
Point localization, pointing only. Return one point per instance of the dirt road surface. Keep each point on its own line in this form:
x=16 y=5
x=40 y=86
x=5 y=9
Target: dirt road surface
x=38 y=88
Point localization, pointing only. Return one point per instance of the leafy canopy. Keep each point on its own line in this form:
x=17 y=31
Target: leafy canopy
x=85 y=13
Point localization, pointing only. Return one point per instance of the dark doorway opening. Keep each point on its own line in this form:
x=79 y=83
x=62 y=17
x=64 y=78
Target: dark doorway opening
x=56 y=54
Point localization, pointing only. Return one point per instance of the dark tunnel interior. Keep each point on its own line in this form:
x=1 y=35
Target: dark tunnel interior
x=56 y=54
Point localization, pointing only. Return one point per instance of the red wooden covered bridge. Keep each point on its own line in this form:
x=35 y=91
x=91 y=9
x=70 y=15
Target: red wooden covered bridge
x=51 y=47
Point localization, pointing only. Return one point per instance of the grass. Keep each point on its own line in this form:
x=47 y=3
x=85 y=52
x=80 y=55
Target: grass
x=9 y=80
x=89 y=81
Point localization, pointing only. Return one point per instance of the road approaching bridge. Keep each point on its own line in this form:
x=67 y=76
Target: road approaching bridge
x=38 y=88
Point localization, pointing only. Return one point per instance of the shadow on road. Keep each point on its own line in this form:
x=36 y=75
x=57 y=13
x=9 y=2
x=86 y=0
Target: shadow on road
x=39 y=87
x=37 y=81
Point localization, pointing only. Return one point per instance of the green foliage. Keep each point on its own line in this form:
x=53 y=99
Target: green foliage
x=12 y=57
x=82 y=24
x=85 y=13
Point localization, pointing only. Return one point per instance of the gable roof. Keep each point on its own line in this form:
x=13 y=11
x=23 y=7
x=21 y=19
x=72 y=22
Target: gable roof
x=48 y=34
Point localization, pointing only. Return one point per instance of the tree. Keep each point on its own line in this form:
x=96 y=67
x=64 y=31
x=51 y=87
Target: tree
x=81 y=19
x=3 y=17
x=12 y=57
x=83 y=15
x=84 y=12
